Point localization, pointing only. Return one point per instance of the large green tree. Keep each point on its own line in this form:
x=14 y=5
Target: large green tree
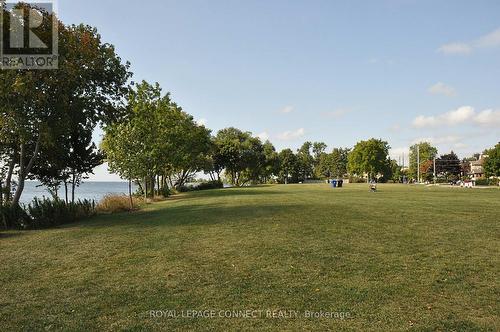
x=241 y=154
x=448 y=165
x=305 y=161
x=156 y=142
x=289 y=169
x=333 y=164
x=38 y=105
x=369 y=157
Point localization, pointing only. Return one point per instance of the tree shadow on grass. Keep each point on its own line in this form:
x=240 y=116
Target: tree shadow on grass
x=9 y=234
x=189 y=215
x=235 y=191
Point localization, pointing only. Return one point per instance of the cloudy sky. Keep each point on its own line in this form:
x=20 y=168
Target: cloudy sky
x=332 y=71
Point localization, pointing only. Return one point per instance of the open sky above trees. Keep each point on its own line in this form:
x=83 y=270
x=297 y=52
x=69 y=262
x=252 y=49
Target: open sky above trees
x=292 y=72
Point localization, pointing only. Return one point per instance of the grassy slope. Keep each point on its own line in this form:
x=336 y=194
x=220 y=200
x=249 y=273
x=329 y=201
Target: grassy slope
x=402 y=258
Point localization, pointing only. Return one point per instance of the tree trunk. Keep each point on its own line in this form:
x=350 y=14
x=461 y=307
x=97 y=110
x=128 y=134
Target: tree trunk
x=73 y=184
x=66 y=191
x=24 y=171
x=8 y=179
x=130 y=194
x=158 y=185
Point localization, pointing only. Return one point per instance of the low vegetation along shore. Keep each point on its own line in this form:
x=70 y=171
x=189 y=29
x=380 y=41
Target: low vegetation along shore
x=402 y=258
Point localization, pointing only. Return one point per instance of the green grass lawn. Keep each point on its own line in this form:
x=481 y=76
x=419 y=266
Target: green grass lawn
x=403 y=258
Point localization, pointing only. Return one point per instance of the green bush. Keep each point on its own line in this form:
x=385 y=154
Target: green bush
x=210 y=185
x=43 y=213
x=201 y=186
x=487 y=182
x=48 y=213
x=13 y=217
x=355 y=179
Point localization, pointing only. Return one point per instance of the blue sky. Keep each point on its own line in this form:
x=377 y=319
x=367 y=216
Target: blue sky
x=327 y=71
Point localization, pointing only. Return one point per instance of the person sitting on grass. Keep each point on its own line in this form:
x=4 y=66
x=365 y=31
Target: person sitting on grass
x=373 y=185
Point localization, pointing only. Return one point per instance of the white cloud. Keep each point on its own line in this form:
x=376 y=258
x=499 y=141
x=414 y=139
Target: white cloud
x=291 y=134
x=488 y=118
x=450 y=118
x=286 y=109
x=455 y=48
x=489 y=40
x=464 y=114
x=492 y=39
x=442 y=89
x=201 y=122
x=264 y=136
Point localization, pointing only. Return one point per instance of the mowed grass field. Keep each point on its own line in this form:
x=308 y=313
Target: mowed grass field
x=410 y=258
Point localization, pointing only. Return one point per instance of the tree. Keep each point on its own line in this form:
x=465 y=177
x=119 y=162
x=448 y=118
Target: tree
x=288 y=167
x=333 y=164
x=369 y=157
x=492 y=163
x=157 y=141
x=318 y=149
x=395 y=171
x=448 y=165
x=427 y=152
x=271 y=162
x=38 y=105
x=193 y=148
x=241 y=154
x=305 y=161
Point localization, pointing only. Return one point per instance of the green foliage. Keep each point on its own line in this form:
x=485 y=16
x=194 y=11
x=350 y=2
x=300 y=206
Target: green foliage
x=334 y=164
x=42 y=112
x=427 y=153
x=449 y=166
x=370 y=157
x=44 y=213
x=241 y=154
x=492 y=163
x=53 y=212
x=487 y=182
x=201 y=186
x=288 y=167
x=13 y=217
x=157 y=139
x=210 y=185
x=305 y=161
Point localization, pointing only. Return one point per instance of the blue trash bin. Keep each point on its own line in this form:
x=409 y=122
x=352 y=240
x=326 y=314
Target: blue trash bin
x=334 y=183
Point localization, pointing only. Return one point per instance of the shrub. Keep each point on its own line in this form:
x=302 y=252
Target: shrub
x=116 y=203
x=53 y=212
x=13 y=217
x=355 y=179
x=42 y=213
x=487 y=182
x=201 y=186
x=210 y=185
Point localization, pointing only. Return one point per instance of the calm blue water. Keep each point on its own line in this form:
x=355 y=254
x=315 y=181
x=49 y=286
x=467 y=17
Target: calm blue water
x=88 y=190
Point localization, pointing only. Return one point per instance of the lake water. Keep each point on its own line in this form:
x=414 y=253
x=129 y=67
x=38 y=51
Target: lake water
x=88 y=190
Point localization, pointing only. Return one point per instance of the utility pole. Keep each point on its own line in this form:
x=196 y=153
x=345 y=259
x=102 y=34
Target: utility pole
x=418 y=163
x=434 y=170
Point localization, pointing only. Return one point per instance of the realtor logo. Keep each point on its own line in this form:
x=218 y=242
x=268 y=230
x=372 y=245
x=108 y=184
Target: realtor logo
x=28 y=35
